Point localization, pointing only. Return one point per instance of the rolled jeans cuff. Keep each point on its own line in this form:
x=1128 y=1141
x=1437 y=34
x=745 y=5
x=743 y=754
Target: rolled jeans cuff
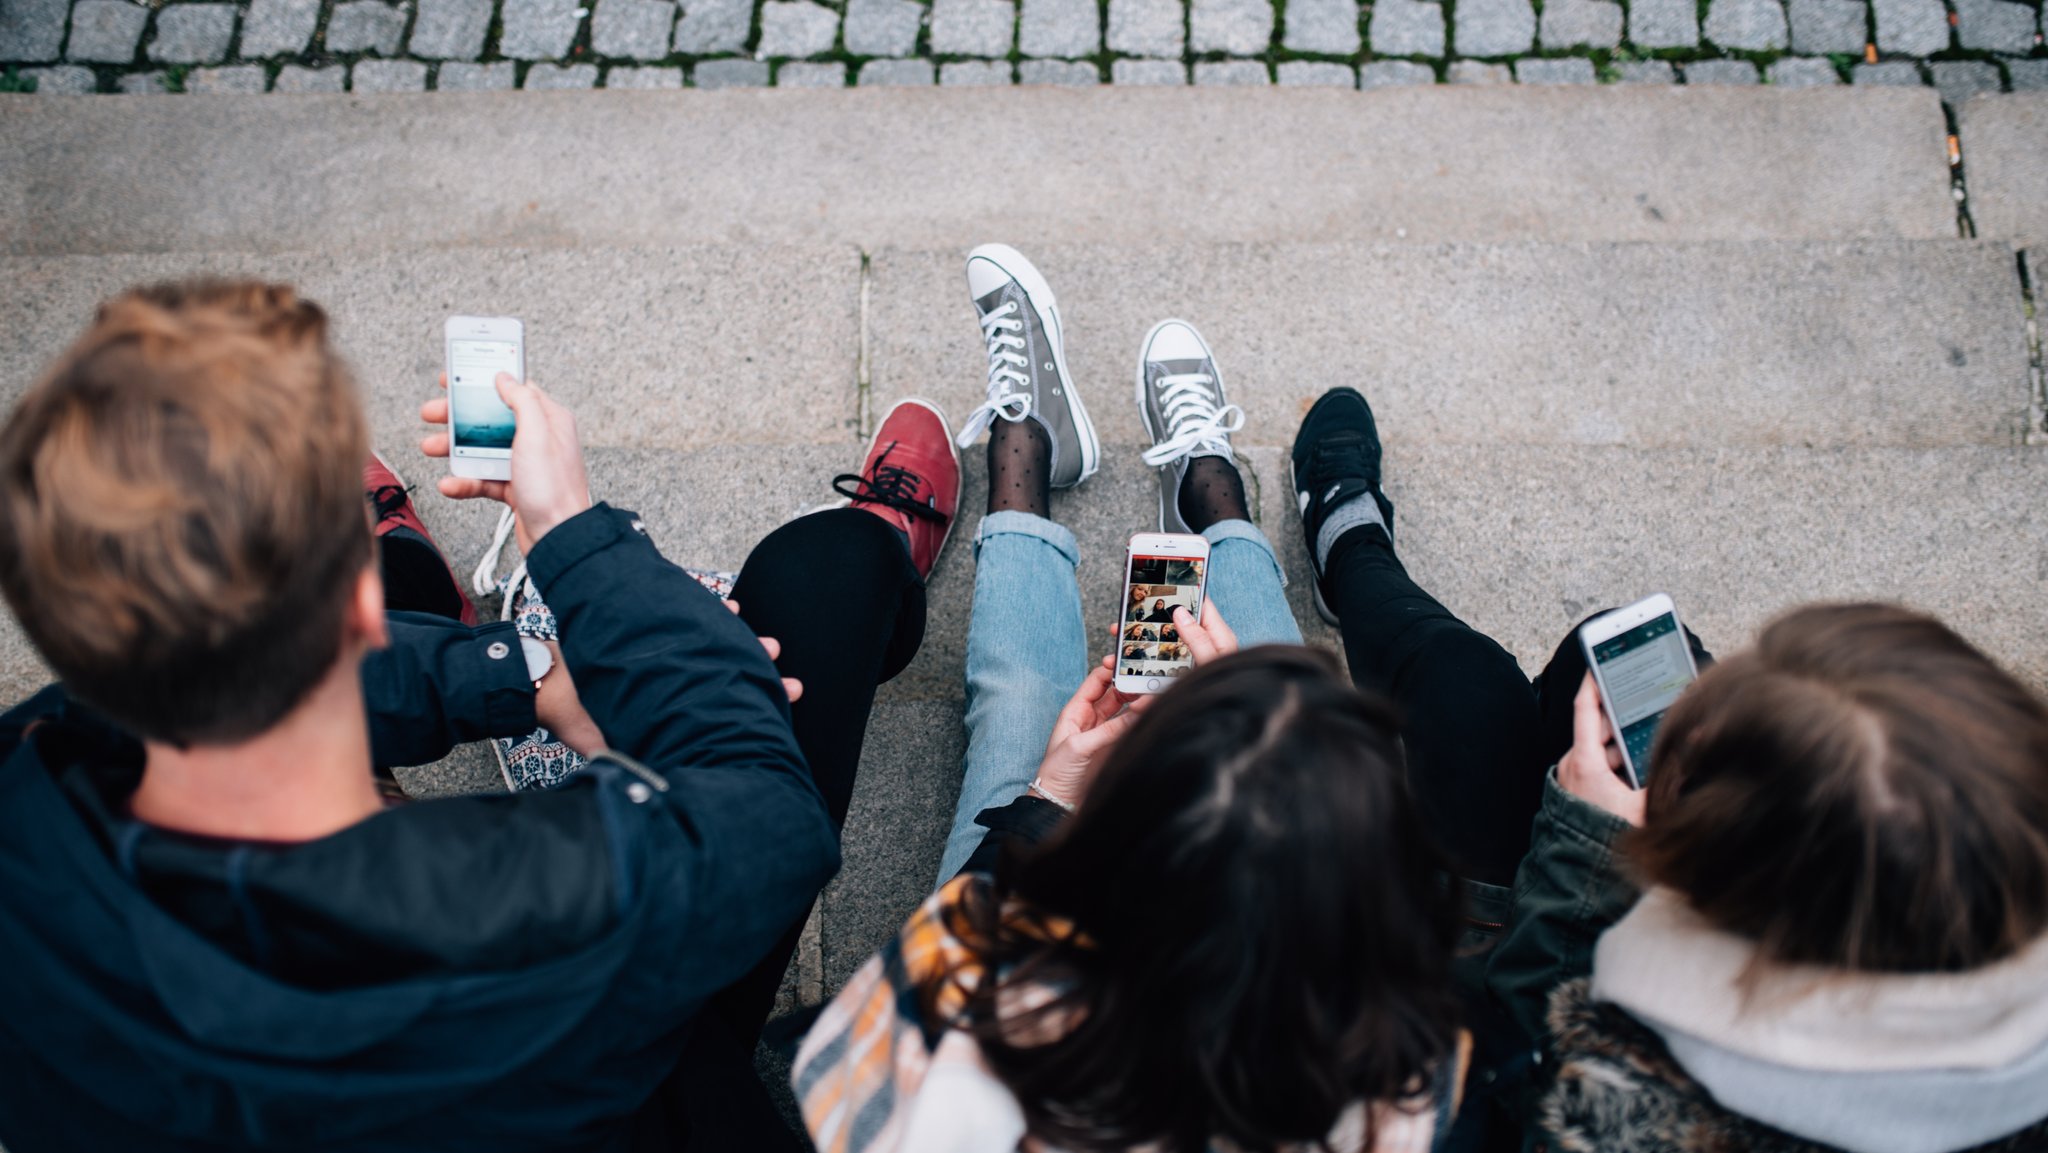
x=1032 y=525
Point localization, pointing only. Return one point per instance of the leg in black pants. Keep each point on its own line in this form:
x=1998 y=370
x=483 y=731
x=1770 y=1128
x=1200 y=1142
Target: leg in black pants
x=838 y=590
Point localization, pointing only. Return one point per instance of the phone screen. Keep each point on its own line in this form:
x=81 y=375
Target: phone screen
x=1642 y=671
x=1156 y=585
x=482 y=424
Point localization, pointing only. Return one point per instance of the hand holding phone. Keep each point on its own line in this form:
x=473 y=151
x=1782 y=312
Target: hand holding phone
x=480 y=424
x=1591 y=770
x=1640 y=661
x=1164 y=574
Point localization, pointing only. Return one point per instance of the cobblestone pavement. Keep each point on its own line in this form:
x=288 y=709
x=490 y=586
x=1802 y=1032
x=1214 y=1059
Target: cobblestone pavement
x=75 y=46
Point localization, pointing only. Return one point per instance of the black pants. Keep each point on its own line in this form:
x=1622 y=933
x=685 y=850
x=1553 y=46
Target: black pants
x=1479 y=735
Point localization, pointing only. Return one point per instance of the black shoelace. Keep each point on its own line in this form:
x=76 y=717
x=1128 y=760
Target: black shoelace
x=888 y=484
x=388 y=501
x=1335 y=457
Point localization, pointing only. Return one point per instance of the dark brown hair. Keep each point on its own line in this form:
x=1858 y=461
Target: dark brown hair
x=181 y=509
x=1862 y=790
x=1261 y=936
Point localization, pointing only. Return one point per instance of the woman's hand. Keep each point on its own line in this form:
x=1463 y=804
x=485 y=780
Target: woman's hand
x=1207 y=638
x=1087 y=727
x=1591 y=770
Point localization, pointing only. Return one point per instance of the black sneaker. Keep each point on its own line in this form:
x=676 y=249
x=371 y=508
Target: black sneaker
x=1027 y=362
x=1336 y=457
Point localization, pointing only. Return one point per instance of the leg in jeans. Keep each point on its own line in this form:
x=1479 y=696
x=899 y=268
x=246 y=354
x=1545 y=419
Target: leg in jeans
x=1026 y=654
x=1248 y=585
x=838 y=590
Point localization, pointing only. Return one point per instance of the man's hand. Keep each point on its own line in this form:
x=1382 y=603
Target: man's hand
x=559 y=710
x=1090 y=723
x=548 y=485
x=1591 y=770
x=790 y=685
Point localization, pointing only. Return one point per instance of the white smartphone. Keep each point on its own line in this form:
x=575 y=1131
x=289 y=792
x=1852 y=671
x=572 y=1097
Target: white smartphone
x=480 y=426
x=1162 y=571
x=1641 y=662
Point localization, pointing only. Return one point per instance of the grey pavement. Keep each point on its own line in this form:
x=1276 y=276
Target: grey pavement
x=1299 y=163
x=2005 y=155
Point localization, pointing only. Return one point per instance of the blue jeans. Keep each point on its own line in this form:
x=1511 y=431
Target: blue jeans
x=1027 y=651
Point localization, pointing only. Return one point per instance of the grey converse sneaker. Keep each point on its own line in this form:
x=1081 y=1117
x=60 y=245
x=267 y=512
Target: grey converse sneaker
x=1027 y=361
x=1180 y=395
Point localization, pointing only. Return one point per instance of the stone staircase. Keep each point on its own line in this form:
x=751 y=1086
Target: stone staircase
x=1738 y=345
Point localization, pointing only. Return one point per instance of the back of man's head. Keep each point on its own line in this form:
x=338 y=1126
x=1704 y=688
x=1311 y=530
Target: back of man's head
x=181 y=509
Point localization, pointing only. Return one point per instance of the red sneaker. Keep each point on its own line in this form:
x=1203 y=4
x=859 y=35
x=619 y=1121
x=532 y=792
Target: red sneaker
x=416 y=576
x=911 y=478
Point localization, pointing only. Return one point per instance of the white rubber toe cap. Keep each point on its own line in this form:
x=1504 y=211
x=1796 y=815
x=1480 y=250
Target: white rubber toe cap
x=1176 y=340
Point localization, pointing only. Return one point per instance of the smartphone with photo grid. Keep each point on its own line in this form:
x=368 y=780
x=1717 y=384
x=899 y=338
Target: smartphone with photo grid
x=480 y=424
x=1641 y=662
x=1162 y=571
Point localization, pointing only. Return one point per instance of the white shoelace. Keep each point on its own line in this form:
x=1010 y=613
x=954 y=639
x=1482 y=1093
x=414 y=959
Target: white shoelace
x=1009 y=385
x=1187 y=401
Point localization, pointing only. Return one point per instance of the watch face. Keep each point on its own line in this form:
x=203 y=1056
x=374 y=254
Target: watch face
x=539 y=659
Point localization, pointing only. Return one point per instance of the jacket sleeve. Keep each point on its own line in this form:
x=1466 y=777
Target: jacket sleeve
x=679 y=684
x=1024 y=821
x=1568 y=890
x=440 y=683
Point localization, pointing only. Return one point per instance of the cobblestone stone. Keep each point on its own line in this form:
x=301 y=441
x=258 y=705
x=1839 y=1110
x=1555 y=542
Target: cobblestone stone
x=450 y=29
x=1571 y=23
x=1315 y=74
x=1736 y=72
x=710 y=26
x=1992 y=26
x=975 y=74
x=276 y=27
x=537 y=29
x=31 y=31
x=882 y=27
x=465 y=77
x=1406 y=28
x=796 y=28
x=193 y=34
x=811 y=74
x=365 y=26
x=632 y=29
x=63 y=80
x=1911 y=27
x=649 y=78
x=1059 y=28
x=144 y=83
x=1065 y=73
x=547 y=76
x=1749 y=25
x=1568 y=70
x=1958 y=80
x=731 y=74
x=1146 y=27
x=1148 y=73
x=1235 y=27
x=2027 y=75
x=233 y=78
x=896 y=73
x=1394 y=74
x=1478 y=72
x=1890 y=74
x=388 y=76
x=299 y=78
x=105 y=31
x=1231 y=74
x=1663 y=23
x=973 y=27
x=1325 y=26
x=1802 y=72
x=1493 y=27
x=1821 y=26
x=1645 y=72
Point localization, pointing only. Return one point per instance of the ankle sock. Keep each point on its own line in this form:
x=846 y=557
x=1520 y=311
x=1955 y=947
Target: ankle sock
x=1212 y=491
x=1019 y=467
x=1358 y=512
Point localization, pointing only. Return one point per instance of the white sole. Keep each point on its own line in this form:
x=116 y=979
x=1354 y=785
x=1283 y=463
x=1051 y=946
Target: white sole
x=1315 y=584
x=1047 y=306
x=1145 y=410
x=946 y=426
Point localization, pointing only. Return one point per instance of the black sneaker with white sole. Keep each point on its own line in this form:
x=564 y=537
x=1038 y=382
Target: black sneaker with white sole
x=1180 y=398
x=1027 y=362
x=1336 y=460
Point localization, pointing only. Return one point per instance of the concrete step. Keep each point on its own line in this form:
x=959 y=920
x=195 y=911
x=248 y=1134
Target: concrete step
x=937 y=168
x=2005 y=160
x=1693 y=344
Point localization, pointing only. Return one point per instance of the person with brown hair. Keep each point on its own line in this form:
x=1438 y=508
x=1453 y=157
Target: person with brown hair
x=218 y=933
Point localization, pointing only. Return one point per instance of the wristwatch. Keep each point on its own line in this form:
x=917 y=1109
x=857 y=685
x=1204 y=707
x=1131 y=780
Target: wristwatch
x=539 y=659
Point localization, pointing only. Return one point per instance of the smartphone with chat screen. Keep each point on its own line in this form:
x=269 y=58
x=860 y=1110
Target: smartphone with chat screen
x=1163 y=571
x=480 y=426
x=1641 y=662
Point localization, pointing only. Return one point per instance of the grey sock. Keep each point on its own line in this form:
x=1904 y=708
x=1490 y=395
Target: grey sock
x=1359 y=510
